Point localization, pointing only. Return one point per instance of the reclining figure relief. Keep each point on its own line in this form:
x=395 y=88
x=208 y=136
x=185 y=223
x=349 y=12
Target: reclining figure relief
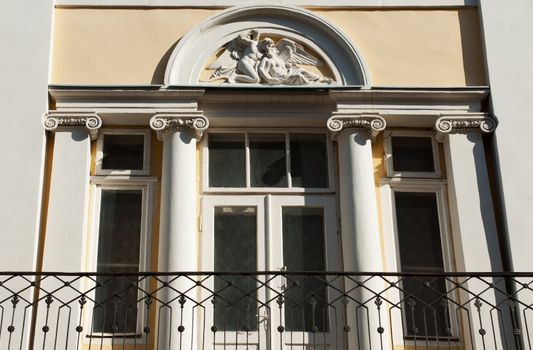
x=248 y=60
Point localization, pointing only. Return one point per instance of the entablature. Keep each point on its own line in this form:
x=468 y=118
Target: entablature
x=270 y=107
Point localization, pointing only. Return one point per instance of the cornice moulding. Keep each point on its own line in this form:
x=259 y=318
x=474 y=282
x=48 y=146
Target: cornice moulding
x=306 y=3
x=59 y=120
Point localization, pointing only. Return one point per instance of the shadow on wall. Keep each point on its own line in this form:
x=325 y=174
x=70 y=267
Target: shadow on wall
x=473 y=62
x=159 y=73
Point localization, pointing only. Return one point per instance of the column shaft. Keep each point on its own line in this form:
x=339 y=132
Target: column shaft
x=476 y=239
x=65 y=239
x=361 y=244
x=178 y=238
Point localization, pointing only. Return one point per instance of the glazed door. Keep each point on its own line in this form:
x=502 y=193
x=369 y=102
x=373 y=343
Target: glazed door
x=232 y=238
x=270 y=233
x=303 y=238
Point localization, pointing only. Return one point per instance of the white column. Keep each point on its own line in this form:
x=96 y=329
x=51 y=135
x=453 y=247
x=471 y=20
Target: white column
x=178 y=241
x=474 y=226
x=66 y=226
x=361 y=243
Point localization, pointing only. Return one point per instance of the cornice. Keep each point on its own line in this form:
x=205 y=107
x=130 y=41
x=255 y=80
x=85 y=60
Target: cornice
x=464 y=124
x=194 y=120
x=59 y=121
x=350 y=4
x=373 y=123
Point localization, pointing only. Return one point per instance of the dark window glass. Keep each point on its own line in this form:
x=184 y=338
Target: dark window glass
x=227 y=167
x=412 y=154
x=309 y=162
x=235 y=251
x=123 y=152
x=303 y=250
x=424 y=303
x=268 y=165
x=119 y=240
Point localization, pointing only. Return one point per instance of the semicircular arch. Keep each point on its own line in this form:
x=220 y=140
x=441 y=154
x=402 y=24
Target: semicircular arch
x=189 y=57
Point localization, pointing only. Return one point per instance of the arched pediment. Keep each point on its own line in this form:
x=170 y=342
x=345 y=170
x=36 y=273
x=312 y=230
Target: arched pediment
x=300 y=35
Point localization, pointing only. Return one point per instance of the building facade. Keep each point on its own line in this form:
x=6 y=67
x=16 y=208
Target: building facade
x=304 y=174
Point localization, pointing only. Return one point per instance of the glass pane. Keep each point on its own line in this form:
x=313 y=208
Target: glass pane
x=227 y=167
x=421 y=251
x=419 y=232
x=267 y=160
x=309 y=164
x=235 y=251
x=303 y=250
x=123 y=152
x=412 y=154
x=119 y=242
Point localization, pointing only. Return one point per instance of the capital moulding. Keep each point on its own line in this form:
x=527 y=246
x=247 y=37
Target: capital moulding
x=57 y=121
x=463 y=124
x=374 y=124
x=163 y=123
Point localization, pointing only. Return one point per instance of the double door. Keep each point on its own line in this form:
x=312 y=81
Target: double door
x=287 y=233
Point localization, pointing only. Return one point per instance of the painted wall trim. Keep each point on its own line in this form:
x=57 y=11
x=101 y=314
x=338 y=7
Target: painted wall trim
x=229 y=3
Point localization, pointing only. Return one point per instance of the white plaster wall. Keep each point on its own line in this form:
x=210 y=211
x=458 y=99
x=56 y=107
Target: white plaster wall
x=508 y=32
x=25 y=31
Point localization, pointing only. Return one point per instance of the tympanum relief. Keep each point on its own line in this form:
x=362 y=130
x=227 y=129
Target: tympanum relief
x=247 y=59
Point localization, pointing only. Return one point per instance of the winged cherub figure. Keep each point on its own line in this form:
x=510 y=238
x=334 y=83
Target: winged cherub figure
x=248 y=60
x=279 y=64
x=238 y=63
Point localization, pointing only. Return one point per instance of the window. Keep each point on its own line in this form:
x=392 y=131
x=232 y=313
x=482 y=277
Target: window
x=411 y=154
x=123 y=152
x=274 y=160
x=415 y=225
x=268 y=205
x=415 y=222
x=120 y=234
x=119 y=244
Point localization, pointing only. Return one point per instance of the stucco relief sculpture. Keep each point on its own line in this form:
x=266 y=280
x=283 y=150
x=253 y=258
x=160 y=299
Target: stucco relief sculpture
x=246 y=59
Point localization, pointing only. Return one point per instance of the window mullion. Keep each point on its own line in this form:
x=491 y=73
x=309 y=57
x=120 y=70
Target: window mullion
x=247 y=158
x=288 y=160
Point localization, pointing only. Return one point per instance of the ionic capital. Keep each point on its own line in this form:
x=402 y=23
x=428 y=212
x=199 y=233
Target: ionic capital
x=464 y=124
x=57 y=121
x=373 y=123
x=163 y=123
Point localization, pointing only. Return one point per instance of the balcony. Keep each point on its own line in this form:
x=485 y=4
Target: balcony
x=265 y=310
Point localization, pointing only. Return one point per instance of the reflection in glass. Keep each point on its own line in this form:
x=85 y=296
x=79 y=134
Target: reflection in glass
x=123 y=152
x=227 y=167
x=119 y=240
x=235 y=251
x=421 y=251
x=267 y=160
x=309 y=165
x=303 y=250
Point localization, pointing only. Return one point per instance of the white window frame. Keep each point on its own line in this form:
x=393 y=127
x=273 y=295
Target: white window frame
x=388 y=187
x=99 y=183
x=415 y=174
x=249 y=189
x=100 y=152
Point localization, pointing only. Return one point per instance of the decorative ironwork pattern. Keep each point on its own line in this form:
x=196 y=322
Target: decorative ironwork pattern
x=265 y=310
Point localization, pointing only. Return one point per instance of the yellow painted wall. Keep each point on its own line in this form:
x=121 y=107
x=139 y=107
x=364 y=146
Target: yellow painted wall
x=400 y=47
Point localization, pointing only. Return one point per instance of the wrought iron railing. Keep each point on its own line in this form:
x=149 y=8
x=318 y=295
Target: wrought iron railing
x=265 y=310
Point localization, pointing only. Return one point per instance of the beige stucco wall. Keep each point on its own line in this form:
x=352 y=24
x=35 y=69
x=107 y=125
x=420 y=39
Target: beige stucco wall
x=400 y=47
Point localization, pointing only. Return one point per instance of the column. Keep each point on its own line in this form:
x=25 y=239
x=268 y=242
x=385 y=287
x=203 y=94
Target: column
x=178 y=241
x=361 y=243
x=474 y=227
x=66 y=227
